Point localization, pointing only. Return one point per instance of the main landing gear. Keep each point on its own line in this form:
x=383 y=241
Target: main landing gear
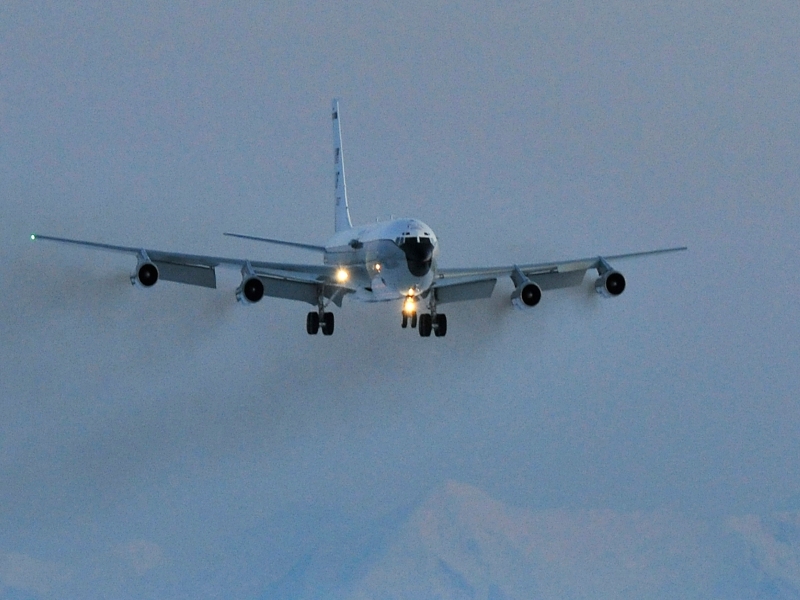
x=433 y=322
x=319 y=319
x=436 y=323
x=315 y=322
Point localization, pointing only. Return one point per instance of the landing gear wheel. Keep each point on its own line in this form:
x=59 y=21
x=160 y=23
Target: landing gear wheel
x=312 y=323
x=327 y=324
x=405 y=322
x=413 y=320
x=425 y=325
x=440 y=329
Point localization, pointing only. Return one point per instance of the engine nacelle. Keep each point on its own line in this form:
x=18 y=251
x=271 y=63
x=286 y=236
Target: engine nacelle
x=610 y=284
x=145 y=275
x=250 y=291
x=526 y=295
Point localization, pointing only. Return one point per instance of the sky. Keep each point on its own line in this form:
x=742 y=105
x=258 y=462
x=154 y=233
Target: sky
x=174 y=443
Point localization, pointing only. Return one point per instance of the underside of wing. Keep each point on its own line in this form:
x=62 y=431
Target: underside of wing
x=301 y=287
x=540 y=270
x=531 y=280
x=459 y=289
x=302 y=282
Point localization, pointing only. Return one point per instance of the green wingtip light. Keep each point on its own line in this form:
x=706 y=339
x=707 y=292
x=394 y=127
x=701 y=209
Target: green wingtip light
x=33 y=236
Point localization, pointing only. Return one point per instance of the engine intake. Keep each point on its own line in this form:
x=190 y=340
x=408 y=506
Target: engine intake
x=610 y=284
x=145 y=275
x=250 y=291
x=526 y=295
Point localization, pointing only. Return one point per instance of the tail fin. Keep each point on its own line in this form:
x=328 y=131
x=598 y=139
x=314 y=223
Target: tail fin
x=342 y=209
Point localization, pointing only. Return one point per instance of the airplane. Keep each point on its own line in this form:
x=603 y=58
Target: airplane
x=395 y=260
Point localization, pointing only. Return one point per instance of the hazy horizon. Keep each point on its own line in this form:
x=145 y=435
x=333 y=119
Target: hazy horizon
x=174 y=443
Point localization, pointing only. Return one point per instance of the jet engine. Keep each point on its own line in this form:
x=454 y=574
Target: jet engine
x=526 y=295
x=610 y=284
x=250 y=291
x=145 y=275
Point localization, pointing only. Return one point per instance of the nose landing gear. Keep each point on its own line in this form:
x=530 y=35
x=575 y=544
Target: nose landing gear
x=406 y=320
x=409 y=312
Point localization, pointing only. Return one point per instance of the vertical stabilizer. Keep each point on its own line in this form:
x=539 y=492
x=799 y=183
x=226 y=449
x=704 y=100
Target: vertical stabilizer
x=342 y=209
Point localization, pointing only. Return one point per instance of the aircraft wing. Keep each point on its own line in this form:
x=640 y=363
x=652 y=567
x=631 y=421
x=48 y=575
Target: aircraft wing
x=547 y=275
x=459 y=289
x=281 y=280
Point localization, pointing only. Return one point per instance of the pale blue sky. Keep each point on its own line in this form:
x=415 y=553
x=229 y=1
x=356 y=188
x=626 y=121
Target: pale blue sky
x=179 y=428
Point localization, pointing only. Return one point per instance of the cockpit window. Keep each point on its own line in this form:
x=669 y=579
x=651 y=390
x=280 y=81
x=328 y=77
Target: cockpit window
x=419 y=253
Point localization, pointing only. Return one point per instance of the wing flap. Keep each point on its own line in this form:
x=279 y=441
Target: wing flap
x=554 y=281
x=461 y=290
x=302 y=291
x=188 y=274
x=290 y=290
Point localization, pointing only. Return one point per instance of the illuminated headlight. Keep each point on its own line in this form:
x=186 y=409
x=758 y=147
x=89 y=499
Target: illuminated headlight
x=410 y=306
x=342 y=275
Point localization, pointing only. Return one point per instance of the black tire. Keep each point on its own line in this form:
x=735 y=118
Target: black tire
x=312 y=323
x=441 y=326
x=327 y=324
x=425 y=325
x=413 y=321
x=404 y=324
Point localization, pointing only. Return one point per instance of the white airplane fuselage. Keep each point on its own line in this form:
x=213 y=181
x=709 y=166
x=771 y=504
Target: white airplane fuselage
x=386 y=261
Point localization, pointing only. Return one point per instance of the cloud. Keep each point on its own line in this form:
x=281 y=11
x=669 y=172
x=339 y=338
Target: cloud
x=24 y=572
x=774 y=543
x=141 y=555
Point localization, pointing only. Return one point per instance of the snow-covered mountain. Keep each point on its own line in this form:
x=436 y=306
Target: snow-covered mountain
x=460 y=543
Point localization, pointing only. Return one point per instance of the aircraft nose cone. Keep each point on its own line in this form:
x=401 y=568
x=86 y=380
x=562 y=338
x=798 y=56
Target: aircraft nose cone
x=419 y=254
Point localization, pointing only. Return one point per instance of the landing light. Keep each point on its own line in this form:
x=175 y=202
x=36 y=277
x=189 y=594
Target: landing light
x=378 y=267
x=341 y=275
x=409 y=306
